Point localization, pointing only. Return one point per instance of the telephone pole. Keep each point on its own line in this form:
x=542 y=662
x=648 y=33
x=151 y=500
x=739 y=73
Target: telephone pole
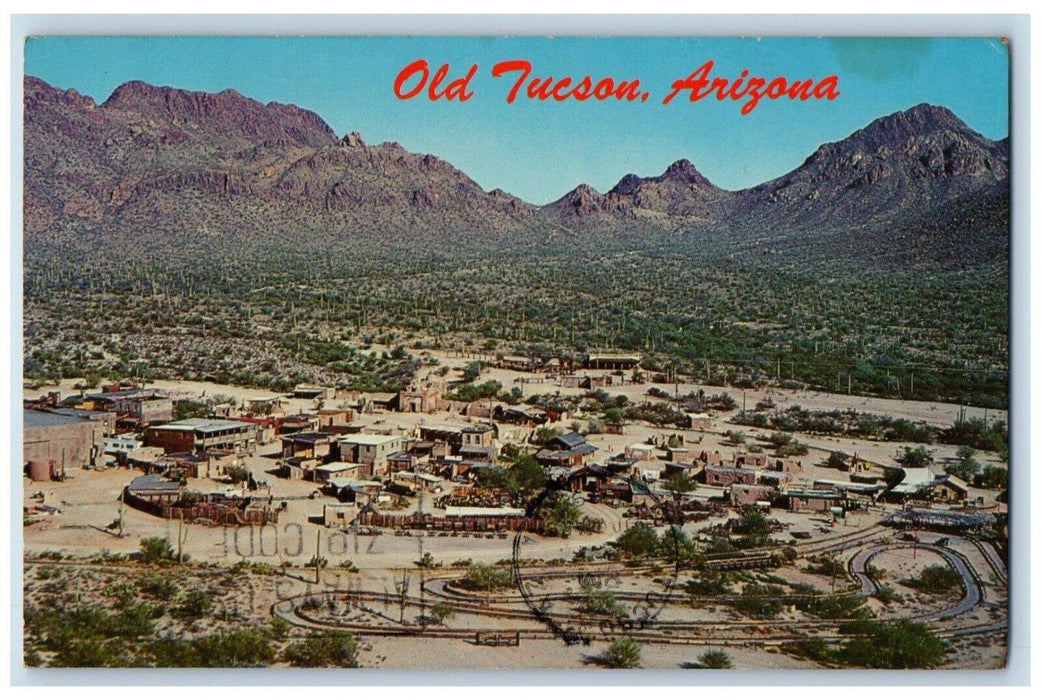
x=317 y=556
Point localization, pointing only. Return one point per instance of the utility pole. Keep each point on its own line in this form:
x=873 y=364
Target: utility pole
x=403 y=592
x=422 y=598
x=317 y=556
x=181 y=537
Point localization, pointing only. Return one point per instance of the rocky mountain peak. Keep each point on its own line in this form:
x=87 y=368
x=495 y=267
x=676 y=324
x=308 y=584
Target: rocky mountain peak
x=226 y=112
x=352 y=140
x=684 y=171
x=36 y=90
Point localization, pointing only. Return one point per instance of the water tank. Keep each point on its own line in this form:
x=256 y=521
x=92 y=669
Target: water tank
x=40 y=470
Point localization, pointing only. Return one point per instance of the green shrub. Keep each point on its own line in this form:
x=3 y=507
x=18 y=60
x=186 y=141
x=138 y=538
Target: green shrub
x=936 y=578
x=328 y=649
x=482 y=577
x=623 y=653
x=716 y=658
x=156 y=549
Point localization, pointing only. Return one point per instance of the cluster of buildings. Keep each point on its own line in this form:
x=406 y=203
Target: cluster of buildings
x=356 y=463
x=132 y=426
x=739 y=479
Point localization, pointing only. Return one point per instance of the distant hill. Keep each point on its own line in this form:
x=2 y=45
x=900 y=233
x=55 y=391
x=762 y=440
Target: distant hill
x=159 y=172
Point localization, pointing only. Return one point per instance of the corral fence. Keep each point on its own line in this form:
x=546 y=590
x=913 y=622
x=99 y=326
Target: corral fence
x=419 y=521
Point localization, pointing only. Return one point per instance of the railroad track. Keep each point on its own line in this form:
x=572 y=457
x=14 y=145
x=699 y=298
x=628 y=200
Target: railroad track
x=758 y=633
x=995 y=562
x=304 y=611
x=841 y=542
x=584 y=628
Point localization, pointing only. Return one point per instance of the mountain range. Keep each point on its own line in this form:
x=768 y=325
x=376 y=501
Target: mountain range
x=159 y=171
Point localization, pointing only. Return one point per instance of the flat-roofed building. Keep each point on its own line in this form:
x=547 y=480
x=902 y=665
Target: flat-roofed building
x=335 y=420
x=106 y=418
x=201 y=465
x=641 y=451
x=699 y=421
x=480 y=435
x=134 y=407
x=203 y=435
x=371 y=451
x=725 y=476
x=336 y=470
x=65 y=441
x=339 y=514
x=307 y=444
x=814 y=500
x=122 y=443
x=614 y=361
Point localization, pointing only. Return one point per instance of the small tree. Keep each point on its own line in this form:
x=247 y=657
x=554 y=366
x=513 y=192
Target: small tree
x=195 y=604
x=887 y=595
x=527 y=476
x=735 y=436
x=561 y=517
x=678 y=548
x=238 y=475
x=967 y=466
x=838 y=460
x=992 y=478
x=442 y=612
x=472 y=372
x=544 y=434
x=678 y=484
x=901 y=644
x=914 y=457
x=640 y=540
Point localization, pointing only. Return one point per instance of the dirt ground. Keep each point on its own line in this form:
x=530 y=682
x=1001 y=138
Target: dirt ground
x=89 y=503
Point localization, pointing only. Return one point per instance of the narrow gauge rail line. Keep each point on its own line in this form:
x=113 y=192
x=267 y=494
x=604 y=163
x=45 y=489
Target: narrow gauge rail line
x=760 y=632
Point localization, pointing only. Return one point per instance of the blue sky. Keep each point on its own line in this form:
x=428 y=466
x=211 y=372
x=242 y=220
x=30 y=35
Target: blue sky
x=540 y=150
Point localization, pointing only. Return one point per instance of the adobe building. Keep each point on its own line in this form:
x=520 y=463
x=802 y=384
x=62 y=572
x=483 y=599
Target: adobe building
x=725 y=476
x=421 y=397
x=200 y=465
x=335 y=420
x=480 y=436
x=752 y=495
x=307 y=444
x=371 y=451
x=60 y=442
x=133 y=407
x=106 y=418
x=699 y=421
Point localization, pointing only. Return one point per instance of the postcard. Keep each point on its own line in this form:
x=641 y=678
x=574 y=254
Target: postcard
x=486 y=352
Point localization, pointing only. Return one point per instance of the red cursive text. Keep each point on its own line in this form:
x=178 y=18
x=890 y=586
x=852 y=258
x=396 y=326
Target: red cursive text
x=565 y=88
x=702 y=85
